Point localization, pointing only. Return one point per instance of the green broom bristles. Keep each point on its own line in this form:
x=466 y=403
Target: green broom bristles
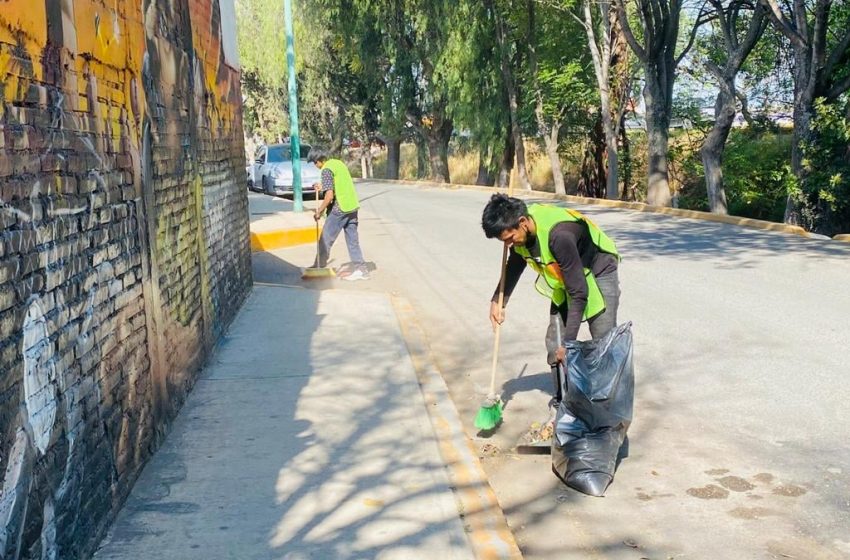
x=489 y=415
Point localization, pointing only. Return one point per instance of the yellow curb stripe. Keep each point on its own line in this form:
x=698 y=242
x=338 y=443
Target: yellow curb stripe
x=278 y=239
x=639 y=206
x=484 y=520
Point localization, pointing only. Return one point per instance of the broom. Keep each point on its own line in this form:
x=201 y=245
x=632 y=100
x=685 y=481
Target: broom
x=315 y=272
x=490 y=413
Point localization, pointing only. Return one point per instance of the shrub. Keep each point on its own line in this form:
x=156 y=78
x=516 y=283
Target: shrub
x=756 y=175
x=824 y=192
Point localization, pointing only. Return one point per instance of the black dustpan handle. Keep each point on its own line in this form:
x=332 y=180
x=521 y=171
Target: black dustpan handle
x=562 y=374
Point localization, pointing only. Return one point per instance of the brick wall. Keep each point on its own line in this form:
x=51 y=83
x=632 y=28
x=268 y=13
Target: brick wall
x=124 y=251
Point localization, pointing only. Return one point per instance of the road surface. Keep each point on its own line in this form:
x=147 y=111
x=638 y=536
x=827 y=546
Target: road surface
x=739 y=445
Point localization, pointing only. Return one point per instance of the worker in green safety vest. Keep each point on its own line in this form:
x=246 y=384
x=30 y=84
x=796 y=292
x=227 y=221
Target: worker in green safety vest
x=339 y=201
x=575 y=261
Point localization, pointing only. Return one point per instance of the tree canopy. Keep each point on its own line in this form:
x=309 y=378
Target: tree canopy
x=591 y=90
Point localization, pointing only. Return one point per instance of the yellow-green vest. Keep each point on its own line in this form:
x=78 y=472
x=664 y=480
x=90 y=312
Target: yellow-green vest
x=550 y=282
x=344 y=193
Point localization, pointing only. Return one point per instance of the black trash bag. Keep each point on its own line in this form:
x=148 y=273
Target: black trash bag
x=595 y=411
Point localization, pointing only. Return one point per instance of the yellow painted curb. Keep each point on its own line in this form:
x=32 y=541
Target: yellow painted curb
x=845 y=237
x=488 y=531
x=638 y=206
x=281 y=238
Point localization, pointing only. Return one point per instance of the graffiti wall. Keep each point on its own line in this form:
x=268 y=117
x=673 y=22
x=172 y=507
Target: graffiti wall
x=124 y=251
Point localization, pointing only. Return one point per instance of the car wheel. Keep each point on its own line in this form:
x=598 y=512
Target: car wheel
x=265 y=186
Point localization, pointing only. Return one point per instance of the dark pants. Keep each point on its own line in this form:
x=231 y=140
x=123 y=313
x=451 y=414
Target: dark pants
x=609 y=285
x=336 y=223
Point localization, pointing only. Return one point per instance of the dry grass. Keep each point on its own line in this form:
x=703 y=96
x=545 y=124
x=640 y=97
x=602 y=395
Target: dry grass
x=463 y=167
x=407 y=163
x=538 y=167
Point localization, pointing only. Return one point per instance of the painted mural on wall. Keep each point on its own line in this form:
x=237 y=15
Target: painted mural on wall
x=120 y=147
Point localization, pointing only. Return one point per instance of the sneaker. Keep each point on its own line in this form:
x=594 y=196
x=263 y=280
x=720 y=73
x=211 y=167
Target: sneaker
x=356 y=275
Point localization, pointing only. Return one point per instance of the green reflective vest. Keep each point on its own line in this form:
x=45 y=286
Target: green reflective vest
x=344 y=193
x=550 y=282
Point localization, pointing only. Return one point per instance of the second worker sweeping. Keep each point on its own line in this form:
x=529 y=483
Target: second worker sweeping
x=339 y=198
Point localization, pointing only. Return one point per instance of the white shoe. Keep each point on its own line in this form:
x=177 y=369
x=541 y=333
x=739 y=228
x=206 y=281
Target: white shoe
x=356 y=275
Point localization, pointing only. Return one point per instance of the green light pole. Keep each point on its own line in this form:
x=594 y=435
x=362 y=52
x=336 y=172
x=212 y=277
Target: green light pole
x=295 y=141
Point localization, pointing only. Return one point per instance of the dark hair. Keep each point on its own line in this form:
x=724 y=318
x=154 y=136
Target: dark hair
x=316 y=155
x=501 y=213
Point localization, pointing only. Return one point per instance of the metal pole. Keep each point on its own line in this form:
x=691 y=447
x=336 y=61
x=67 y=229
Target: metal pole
x=295 y=141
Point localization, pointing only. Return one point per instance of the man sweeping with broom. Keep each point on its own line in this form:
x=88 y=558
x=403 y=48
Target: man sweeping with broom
x=576 y=265
x=340 y=196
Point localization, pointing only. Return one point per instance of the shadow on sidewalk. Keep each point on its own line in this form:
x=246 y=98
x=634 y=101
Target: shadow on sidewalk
x=359 y=473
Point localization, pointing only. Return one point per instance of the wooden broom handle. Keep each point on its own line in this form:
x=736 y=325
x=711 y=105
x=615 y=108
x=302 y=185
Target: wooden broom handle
x=317 y=228
x=498 y=325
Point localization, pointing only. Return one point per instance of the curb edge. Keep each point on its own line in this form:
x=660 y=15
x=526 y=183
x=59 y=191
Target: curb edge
x=281 y=238
x=638 y=206
x=487 y=528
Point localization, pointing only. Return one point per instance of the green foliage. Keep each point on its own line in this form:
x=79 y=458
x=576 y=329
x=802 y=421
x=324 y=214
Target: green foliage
x=824 y=191
x=470 y=67
x=767 y=74
x=398 y=67
x=262 y=56
x=756 y=175
x=262 y=42
x=564 y=68
x=336 y=76
x=264 y=113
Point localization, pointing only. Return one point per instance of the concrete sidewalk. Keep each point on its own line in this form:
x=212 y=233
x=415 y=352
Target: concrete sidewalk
x=306 y=437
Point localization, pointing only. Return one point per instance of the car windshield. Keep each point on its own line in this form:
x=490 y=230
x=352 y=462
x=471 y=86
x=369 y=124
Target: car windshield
x=278 y=154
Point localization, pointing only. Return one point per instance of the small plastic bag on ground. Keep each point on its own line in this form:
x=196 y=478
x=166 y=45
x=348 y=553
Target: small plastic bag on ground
x=595 y=411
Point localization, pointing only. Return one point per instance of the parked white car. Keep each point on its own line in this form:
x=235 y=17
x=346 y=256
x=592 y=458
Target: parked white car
x=271 y=171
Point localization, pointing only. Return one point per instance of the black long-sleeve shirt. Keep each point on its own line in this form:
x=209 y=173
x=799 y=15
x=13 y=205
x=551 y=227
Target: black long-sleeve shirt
x=570 y=244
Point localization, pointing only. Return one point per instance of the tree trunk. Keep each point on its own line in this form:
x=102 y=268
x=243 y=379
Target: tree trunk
x=612 y=188
x=485 y=176
x=620 y=78
x=550 y=137
x=364 y=162
x=551 y=141
x=507 y=163
x=712 y=149
x=438 y=150
x=807 y=26
x=601 y=56
x=513 y=104
x=519 y=145
x=338 y=130
x=804 y=96
x=421 y=157
x=370 y=161
x=657 y=135
x=393 y=156
x=337 y=137
x=592 y=180
x=626 y=150
x=550 y=132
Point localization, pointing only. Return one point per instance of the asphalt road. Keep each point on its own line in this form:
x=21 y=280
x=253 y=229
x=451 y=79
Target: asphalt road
x=739 y=444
